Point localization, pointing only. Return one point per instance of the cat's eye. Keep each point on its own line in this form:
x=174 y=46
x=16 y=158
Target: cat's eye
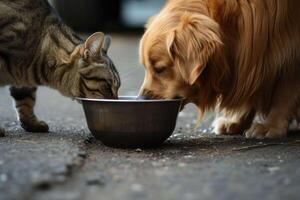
x=159 y=70
x=82 y=63
x=107 y=89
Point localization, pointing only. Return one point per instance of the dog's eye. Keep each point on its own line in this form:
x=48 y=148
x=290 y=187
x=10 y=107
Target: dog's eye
x=159 y=70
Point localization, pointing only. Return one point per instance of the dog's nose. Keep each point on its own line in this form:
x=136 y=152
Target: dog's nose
x=143 y=98
x=144 y=95
x=141 y=94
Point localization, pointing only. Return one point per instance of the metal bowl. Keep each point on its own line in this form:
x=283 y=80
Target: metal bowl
x=129 y=122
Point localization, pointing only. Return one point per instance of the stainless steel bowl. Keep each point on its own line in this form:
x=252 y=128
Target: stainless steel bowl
x=131 y=123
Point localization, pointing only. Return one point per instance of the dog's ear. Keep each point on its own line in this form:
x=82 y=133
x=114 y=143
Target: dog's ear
x=192 y=44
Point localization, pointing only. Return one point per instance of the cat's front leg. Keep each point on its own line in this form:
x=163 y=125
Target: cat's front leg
x=24 y=102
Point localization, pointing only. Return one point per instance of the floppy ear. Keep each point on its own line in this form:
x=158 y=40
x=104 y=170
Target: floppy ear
x=93 y=45
x=192 y=44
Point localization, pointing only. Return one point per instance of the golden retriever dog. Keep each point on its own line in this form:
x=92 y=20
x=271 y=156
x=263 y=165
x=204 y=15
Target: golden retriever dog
x=239 y=56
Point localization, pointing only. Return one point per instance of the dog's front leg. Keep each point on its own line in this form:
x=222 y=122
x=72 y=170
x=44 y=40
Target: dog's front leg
x=283 y=108
x=232 y=123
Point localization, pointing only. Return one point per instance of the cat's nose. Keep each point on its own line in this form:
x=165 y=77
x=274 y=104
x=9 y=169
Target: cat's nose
x=115 y=93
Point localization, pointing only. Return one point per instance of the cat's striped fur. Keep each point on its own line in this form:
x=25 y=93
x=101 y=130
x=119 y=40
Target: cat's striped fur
x=37 y=48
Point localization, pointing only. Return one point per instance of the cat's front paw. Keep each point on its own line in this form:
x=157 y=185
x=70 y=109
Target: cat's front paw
x=224 y=126
x=35 y=126
x=265 y=131
x=2 y=132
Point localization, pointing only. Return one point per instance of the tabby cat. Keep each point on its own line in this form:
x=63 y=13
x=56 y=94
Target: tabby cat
x=37 y=48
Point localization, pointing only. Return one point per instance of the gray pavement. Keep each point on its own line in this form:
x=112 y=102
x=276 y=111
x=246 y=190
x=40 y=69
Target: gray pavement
x=69 y=164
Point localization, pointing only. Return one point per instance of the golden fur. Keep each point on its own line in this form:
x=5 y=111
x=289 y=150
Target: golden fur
x=240 y=55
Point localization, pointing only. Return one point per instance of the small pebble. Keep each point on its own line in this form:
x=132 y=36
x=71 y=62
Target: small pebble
x=137 y=187
x=3 y=177
x=139 y=150
x=82 y=154
x=156 y=164
x=188 y=156
x=142 y=161
x=273 y=169
x=2 y=132
x=182 y=165
x=95 y=182
x=61 y=170
x=42 y=182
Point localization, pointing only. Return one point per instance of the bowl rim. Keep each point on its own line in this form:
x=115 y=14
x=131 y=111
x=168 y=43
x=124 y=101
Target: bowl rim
x=129 y=100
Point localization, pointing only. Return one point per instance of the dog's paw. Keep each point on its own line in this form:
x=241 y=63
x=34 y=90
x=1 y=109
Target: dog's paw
x=35 y=126
x=264 y=131
x=224 y=126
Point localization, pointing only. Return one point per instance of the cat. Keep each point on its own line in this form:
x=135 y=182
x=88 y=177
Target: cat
x=37 y=48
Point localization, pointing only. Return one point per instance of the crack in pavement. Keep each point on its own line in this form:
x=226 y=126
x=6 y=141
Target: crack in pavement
x=46 y=185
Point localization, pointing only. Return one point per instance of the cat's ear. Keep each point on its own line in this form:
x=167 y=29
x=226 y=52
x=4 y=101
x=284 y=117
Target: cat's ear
x=106 y=44
x=96 y=45
x=93 y=45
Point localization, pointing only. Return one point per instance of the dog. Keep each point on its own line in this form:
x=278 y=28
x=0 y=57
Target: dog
x=236 y=56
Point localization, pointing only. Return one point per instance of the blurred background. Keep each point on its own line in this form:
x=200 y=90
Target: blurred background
x=116 y=15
